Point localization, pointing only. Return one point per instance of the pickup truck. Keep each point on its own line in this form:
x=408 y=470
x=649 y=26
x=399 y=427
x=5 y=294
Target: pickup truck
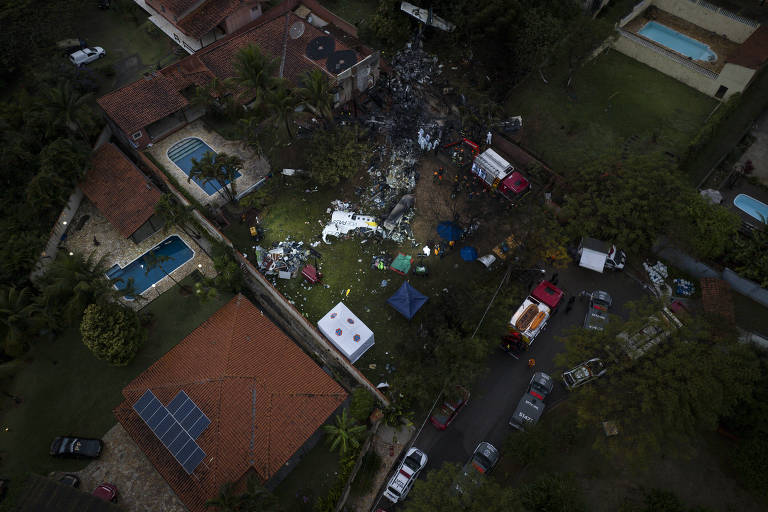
x=658 y=328
x=534 y=313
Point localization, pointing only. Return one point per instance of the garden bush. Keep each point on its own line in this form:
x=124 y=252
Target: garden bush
x=112 y=332
x=361 y=405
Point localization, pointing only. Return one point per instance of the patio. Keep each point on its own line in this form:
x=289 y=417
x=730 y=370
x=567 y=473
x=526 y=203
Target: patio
x=254 y=166
x=97 y=237
x=743 y=186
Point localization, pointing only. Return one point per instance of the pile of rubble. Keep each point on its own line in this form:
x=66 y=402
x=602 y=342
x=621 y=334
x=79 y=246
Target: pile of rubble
x=285 y=259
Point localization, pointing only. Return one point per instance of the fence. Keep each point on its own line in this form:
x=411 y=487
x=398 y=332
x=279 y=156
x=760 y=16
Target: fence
x=726 y=13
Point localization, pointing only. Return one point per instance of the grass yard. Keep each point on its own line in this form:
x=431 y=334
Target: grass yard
x=66 y=390
x=346 y=265
x=124 y=33
x=613 y=99
x=310 y=479
x=352 y=11
x=700 y=480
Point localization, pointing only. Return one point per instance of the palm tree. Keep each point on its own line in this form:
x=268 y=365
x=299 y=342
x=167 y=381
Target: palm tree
x=72 y=283
x=344 y=434
x=258 y=497
x=175 y=213
x=18 y=314
x=153 y=259
x=248 y=126
x=226 y=501
x=316 y=95
x=67 y=108
x=254 y=73
x=281 y=103
x=206 y=169
x=228 y=167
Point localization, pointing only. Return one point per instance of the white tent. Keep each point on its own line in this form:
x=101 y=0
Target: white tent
x=347 y=332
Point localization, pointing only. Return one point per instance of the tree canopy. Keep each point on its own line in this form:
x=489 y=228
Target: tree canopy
x=112 y=332
x=336 y=154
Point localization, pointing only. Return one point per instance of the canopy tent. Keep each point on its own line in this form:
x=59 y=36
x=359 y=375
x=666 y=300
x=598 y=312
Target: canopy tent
x=407 y=300
x=468 y=253
x=449 y=231
x=402 y=264
x=347 y=332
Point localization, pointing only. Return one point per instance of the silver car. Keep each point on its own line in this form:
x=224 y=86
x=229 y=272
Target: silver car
x=585 y=372
x=87 y=55
x=597 y=314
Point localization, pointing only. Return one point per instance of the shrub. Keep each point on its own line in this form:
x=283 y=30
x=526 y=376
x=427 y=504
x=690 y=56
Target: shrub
x=112 y=332
x=361 y=405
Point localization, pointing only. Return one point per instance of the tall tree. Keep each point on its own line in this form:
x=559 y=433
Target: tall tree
x=344 y=434
x=316 y=95
x=336 y=154
x=19 y=314
x=280 y=103
x=175 y=213
x=67 y=108
x=254 y=74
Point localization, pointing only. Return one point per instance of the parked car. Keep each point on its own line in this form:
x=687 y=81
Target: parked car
x=483 y=459
x=585 y=372
x=106 y=491
x=531 y=406
x=87 y=55
x=455 y=400
x=597 y=314
x=70 y=480
x=80 y=447
x=402 y=481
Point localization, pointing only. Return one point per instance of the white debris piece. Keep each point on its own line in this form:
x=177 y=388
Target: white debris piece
x=343 y=223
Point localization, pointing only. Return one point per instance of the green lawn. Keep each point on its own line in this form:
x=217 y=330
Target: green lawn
x=65 y=390
x=613 y=98
x=352 y=11
x=311 y=478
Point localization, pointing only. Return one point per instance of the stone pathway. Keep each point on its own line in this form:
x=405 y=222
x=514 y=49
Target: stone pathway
x=122 y=463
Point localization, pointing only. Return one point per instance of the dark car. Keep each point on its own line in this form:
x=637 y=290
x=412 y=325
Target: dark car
x=597 y=314
x=80 y=447
x=70 y=480
x=531 y=406
x=455 y=400
x=484 y=458
x=106 y=491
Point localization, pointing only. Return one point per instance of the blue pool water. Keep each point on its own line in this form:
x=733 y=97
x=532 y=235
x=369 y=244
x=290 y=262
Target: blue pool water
x=674 y=40
x=751 y=206
x=182 y=154
x=172 y=247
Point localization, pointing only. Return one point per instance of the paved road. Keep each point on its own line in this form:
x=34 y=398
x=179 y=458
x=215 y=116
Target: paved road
x=495 y=394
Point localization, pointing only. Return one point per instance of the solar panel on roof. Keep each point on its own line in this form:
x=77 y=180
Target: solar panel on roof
x=170 y=431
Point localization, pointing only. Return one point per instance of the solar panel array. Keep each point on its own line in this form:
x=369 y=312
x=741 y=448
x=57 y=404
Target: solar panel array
x=176 y=426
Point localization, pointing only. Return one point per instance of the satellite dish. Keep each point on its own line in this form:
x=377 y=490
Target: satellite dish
x=296 y=30
x=341 y=60
x=321 y=47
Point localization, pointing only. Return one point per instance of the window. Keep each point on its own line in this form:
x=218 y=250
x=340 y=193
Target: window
x=137 y=135
x=721 y=92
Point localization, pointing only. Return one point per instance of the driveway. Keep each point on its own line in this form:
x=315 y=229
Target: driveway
x=495 y=395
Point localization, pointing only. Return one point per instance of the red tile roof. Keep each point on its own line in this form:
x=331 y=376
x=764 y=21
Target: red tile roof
x=205 y=18
x=119 y=190
x=148 y=100
x=753 y=52
x=264 y=396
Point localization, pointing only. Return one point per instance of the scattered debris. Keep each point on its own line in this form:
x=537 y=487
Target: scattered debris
x=657 y=273
x=683 y=287
x=285 y=258
x=345 y=224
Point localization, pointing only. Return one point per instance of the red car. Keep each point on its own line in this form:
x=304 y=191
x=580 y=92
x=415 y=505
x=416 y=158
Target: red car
x=106 y=491
x=455 y=400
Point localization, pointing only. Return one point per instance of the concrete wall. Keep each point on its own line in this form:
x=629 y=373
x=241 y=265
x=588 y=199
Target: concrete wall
x=735 y=78
x=636 y=10
x=710 y=17
x=660 y=60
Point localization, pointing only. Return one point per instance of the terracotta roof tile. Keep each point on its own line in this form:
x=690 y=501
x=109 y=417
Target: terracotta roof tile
x=753 y=52
x=119 y=190
x=265 y=398
x=205 y=18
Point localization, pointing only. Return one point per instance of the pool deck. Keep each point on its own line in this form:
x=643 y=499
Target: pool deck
x=121 y=251
x=743 y=186
x=254 y=167
x=720 y=45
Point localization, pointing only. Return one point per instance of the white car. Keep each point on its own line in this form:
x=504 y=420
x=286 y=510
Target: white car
x=87 y=55
x=402 y=481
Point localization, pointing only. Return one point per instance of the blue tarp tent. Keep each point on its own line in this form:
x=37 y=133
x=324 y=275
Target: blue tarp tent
x=468 y=253
x=407 y=300
x=448 y=231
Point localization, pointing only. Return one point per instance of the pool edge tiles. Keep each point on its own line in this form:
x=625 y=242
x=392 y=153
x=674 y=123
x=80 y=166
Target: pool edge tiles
x=650 y=29
x=116 y=271
x=753 y=212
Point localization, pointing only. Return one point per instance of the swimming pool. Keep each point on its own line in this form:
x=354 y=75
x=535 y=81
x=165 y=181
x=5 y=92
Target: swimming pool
x=678 y=42
x=751 y=207
x=172 y=247
x=182 y=154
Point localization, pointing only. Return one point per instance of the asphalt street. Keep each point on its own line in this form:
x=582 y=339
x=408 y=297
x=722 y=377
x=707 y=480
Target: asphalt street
x=496 y=393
